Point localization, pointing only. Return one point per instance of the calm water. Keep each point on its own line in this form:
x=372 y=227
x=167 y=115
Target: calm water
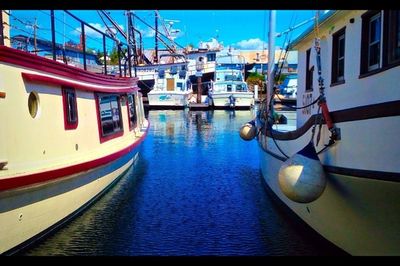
x=196 y=189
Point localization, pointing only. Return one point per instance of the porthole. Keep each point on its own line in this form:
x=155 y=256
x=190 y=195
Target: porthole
x=33 y=104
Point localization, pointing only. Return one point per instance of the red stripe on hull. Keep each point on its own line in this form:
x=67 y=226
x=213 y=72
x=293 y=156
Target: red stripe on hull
x=24 y=59
x=74 y=84
x=25 y=180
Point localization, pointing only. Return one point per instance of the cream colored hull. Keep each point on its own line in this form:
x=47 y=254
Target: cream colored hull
x=358 y=214
x=25 y=213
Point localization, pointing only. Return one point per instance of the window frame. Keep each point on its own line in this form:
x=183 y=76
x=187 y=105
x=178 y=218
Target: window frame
x=132 y=125
x=386 y=42
x=378 y=42
x=309 y=72
x=336 y=38
x=391 y=29
x=365 y=68
x=115 y=134
x=68 y=123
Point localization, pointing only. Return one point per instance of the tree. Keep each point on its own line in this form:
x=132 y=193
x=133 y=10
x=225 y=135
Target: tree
x=255 y=79
x=100 y=57
x=114 y=56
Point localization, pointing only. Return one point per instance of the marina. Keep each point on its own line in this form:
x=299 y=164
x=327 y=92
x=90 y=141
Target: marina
x=180 y=199
x=240 y=145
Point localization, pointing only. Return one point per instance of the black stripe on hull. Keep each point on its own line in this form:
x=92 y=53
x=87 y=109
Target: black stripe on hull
x=353 y=114
x=360 y=173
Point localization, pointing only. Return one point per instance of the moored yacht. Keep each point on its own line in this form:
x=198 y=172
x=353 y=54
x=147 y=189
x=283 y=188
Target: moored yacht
x=69 y=134
x=337 y=167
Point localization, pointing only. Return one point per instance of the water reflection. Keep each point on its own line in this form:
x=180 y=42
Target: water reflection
x=195 y=190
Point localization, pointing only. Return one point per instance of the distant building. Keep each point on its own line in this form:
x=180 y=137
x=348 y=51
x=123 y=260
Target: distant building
x=260 y=59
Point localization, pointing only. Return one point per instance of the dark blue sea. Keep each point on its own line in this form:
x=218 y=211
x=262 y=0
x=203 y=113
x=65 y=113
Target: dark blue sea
x=196 y=189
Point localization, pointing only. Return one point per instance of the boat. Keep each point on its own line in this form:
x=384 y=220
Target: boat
x=205 y=55
x=172 y=89
x=338 y=166
x=229 y=89
x=68 y=135
x=287 y=91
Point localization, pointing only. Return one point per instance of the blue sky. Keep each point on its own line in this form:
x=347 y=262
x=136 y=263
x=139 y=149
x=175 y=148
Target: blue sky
x=241 y=29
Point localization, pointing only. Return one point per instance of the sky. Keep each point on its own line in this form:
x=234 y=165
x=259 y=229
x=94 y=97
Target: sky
x=239 y=29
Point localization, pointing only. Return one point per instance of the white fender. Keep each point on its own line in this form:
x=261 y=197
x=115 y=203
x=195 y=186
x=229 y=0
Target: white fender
x=302 y=177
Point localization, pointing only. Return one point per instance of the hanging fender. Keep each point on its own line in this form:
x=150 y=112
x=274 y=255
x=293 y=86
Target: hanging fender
x=328 y=119
x=325 y=113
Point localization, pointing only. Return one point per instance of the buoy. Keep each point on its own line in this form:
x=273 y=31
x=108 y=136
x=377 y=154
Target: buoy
x=302 y=177
x=248 y=130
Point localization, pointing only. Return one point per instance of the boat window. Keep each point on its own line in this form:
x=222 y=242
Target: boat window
x=241 y=87
x=309 y=72
x=229 y=87
x=173 y=70
x=182 y=74
x=179 y=85
x=374 y=39
x=132 y=111
x=211 y=57
x=33 y=104
x=70 y=108
x=338 y=54
x=393 y=36
x=161 y=73
x=233 y=77
x=371 y=41
x=110 y=116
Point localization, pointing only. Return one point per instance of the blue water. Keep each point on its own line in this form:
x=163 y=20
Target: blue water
x=196 y=189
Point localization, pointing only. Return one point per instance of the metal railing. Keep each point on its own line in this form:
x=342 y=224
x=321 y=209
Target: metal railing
x=58 y=49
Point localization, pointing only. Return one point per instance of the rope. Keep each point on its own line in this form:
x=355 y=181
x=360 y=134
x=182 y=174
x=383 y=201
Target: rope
x=321 y=100
x=301 y=107
x=272 y=136
x=314 y=126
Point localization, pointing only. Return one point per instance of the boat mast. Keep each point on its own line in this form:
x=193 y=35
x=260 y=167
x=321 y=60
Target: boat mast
x=271 y=54
x=128 y=39
x=156 y=38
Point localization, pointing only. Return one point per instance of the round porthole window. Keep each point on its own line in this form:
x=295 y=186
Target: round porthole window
x=33 y=104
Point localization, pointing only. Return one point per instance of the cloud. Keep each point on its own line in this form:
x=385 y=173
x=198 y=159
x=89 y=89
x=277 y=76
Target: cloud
x=92 y=33
x=146 y=33
x=149 y=33
x=251 y=44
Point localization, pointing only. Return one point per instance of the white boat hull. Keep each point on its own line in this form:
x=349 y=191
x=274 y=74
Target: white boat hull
x=169 y=98
x=359 y=214
x=242 y=99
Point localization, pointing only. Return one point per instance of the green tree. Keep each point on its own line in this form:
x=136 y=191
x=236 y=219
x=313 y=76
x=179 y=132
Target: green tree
x=99 y=57
x=114 y=56
x=255 y=79
x=280 y=79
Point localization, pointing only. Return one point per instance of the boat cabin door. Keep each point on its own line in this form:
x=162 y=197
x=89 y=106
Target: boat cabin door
x=170 y=84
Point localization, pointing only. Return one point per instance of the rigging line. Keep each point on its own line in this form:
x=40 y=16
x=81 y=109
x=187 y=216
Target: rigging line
x=68 y=25
x=288 y=39
x=272 y=137
x=264 y=29
x=105 y=24
x=148 y=25
x=301 y=107
x=116 y=26
x=317 y=117
x=164 y=26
